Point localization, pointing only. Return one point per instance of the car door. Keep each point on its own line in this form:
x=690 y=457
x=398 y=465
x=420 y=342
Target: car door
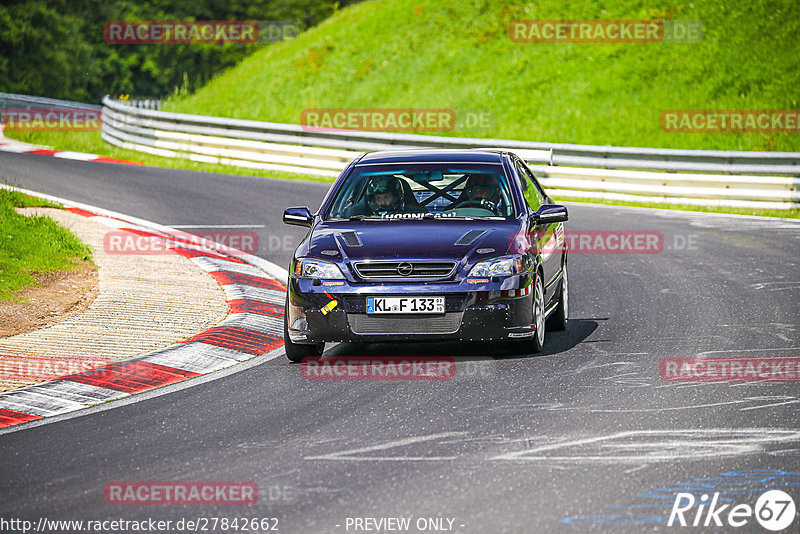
x=549 y=236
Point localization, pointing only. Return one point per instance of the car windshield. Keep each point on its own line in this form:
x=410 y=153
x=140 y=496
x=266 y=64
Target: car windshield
x=441 y=190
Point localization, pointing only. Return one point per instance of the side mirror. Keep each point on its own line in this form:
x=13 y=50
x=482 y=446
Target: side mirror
x=298 y=216
x=551 y=213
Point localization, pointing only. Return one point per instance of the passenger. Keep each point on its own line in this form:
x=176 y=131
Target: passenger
x=481 y=190
x=483 y=187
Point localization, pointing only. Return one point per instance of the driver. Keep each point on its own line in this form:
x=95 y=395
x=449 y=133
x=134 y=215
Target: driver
x=385 y=195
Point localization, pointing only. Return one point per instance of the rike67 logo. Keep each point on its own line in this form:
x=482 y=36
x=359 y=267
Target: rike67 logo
x=774 y=510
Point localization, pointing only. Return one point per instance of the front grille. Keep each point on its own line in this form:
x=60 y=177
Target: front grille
x=392 y=269
x=361 y=323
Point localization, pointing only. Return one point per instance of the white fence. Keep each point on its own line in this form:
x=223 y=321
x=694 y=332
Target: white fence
x=695 y=177
x=8 y=100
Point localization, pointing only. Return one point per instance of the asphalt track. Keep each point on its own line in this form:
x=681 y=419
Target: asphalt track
x=585 y=436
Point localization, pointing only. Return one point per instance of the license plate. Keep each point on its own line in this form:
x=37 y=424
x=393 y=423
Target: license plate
x=405 y=304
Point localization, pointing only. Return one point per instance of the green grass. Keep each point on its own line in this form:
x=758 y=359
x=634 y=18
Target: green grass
x=437 y=54
x=32 y=245
x=18 y=199
x=784 y=214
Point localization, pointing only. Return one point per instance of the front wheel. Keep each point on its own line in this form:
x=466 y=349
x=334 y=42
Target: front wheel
x=538 y=316
x=534 y=343
x=296 y=352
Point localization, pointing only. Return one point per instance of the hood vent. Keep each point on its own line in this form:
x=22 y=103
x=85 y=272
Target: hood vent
x=351 y=239
x=470 y=237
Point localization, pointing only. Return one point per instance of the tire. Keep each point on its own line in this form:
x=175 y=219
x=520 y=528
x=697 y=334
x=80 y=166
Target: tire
x=558 y=320
x=296 y=352
x=536 y=343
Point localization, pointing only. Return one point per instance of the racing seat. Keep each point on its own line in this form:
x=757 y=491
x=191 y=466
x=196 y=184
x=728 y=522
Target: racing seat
x=410 y=202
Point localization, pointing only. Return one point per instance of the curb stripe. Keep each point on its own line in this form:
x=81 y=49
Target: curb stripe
x=214 y=264
x=10 y=145
x=32 y=401
x=254 y=325
x=185 y=240
x=132 y=377
x=79 y=211
x=262 y=324
x=191 y=253
x=255 y=306
x=78 y=392
x=231 y=337
x=196 y=357
x=272 y=296
x=10 y=417
x=106 y=159
x=226 y=278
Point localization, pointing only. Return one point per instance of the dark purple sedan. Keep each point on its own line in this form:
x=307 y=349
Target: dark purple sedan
x=424 y=245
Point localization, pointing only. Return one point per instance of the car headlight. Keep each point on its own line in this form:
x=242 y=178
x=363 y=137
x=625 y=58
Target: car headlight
x=502 y=266
x=310 y=268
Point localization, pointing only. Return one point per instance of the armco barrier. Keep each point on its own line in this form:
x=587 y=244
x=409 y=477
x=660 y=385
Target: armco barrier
x=567 y=170
x=24 y=101
x=767 y=180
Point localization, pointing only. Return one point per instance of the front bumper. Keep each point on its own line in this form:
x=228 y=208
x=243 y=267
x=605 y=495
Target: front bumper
x=474 y=311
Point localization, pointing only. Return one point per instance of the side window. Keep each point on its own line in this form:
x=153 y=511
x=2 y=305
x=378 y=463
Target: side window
x=536 y=184
x=530 y=187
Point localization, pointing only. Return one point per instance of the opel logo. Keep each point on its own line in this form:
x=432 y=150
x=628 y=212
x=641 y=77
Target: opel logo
x=405 y=268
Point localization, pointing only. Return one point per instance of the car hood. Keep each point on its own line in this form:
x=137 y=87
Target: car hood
x=466 y=240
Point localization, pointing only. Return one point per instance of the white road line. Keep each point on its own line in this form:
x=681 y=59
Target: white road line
x=672 y=445
x=784 y=400
x=735 y=351
x=217 y=225
x=348 y=454
x=683 y=213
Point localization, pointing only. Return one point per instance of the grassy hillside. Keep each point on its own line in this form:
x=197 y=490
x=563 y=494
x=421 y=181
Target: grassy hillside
x=458 y=55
